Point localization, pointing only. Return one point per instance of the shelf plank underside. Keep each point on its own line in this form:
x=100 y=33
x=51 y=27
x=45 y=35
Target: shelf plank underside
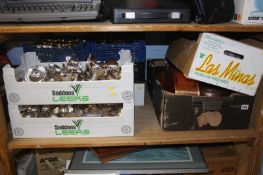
x=147 y=132
x=109 y=27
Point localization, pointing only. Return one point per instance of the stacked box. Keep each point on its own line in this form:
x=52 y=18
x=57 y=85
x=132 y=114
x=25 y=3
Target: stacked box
x=221 y=160
x=62 y=93
x=185 y=112
x=219 y=61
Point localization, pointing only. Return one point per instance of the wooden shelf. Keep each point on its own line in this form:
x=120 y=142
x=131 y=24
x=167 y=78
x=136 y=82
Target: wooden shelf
x=147 y=132
x=109 y=27
x=6 y=37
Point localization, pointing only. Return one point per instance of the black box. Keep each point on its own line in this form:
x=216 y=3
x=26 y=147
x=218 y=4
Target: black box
x=148 y=11
x=184 y=112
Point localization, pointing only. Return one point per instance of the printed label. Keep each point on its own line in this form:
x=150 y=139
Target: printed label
x=71 y=129
x=69 y=96
x=210 y=70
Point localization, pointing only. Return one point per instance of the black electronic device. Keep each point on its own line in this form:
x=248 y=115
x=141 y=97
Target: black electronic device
x=149 y=11
x=212 y=12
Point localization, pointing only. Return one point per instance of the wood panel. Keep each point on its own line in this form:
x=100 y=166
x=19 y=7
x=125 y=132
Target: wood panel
x=257 y=156
x=5 y=160
x=1 y=169
x=109 y=27
x=147 y=128
x=6 y=37
x=244 y=151
x=257 y=123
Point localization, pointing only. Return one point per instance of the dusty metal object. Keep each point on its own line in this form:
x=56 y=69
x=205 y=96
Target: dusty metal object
x=72 y=70
x=36 y=74
x=76 y=110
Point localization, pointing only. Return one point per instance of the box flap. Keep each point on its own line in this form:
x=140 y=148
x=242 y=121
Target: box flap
x=253 y=42
x=181 y=54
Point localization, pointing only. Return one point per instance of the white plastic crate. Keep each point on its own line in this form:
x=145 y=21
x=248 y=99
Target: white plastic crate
x=56 y=93
x=122 y=125
x=101 y=91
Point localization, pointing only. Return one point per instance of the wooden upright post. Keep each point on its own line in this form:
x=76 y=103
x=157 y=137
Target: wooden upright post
x=6 y=164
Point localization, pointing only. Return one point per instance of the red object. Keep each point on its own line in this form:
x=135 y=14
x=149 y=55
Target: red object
x=3 y=59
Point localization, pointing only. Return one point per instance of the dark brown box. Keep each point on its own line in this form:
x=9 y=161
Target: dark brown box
x=183 y=112
x=221 y=160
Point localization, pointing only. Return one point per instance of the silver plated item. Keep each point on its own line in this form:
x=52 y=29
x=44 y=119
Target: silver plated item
x=36 y=74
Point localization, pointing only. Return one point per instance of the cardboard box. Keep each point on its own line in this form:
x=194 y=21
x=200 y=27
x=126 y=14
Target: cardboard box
x=52 y=162
x=90 y=92
x=219 y=61
x=221 y=160
x=185 y=112
x=248 y=11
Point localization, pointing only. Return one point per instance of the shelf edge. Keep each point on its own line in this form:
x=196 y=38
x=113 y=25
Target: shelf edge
x=165 y=138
